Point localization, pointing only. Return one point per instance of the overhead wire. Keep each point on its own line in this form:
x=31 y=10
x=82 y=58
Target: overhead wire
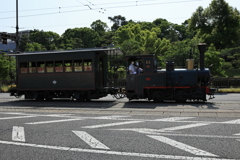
x=110 y=7
x=95 y=7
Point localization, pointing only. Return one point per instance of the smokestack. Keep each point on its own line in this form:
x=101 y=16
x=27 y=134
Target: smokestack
x=202 y=49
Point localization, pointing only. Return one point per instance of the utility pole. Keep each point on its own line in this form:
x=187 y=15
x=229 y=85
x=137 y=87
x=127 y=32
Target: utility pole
x=17 y=37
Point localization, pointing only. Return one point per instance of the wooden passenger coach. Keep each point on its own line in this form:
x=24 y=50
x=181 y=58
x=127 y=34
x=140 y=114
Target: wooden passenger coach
x=80 y=74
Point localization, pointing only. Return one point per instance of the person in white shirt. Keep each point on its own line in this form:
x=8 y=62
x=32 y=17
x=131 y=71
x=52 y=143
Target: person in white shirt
x=132 y=68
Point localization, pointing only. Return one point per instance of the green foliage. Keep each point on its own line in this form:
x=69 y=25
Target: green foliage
x=100 y=27
x=7 y=66
x=31 y=47
x=235 y=73
x=218 y=24
x=213 y=59
x=118 y=21
x=89 y=38
x=47 y=39
x=23 y=42
x=142 y=41
x=227 y=65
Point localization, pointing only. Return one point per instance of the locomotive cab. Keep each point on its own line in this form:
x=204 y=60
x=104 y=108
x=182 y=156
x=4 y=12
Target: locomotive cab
x=145 y=76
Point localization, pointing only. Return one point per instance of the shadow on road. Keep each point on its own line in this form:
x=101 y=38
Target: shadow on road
x=104 y=104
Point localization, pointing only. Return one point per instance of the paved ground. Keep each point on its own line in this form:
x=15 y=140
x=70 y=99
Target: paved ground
x=224 y=105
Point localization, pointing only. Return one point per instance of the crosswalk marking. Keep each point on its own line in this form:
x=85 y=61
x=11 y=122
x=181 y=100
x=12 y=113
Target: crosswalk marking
x=183 y=127
x=18 y=117
x=236 y=121
x=182 y=146
x=172 y=119
x=112 y=124
x=90 y=140
x=54 y=121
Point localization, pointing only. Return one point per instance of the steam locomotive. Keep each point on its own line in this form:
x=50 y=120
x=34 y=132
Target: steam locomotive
x=82 y=75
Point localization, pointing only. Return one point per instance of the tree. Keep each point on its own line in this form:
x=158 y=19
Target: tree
x=118 y=21
x=212 y=58
x=47 y=39
x=7 y=66
x=89 y=37
x=100 y=27
x=35 y=47
x=146 y=40
x=218 y=24
x=23 y=42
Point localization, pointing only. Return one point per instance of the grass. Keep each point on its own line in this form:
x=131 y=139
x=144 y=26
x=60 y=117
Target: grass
x=229 y=90
x=6 y=88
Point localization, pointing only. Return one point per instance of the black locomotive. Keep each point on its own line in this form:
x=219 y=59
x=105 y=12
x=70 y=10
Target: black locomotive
x=83 y=75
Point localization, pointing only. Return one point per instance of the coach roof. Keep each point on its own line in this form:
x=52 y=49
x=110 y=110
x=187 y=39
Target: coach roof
x=109 y=51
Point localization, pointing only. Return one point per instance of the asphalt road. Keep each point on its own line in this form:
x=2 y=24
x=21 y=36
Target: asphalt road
x=110 y=129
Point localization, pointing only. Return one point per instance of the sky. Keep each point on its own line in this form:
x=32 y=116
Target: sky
x=60 y=15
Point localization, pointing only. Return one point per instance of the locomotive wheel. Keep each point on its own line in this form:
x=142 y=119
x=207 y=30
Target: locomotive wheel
x=158 y=96
x=180 y=96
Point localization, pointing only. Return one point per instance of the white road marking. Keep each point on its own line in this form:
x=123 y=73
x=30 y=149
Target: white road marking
x=238 y=134
x=54 y=121
x=196 y=135
x=109 y=117
x=112 y=124
x=90 y=140
x=172 y=119
x=182 y=127
x=236 y=121
x=19 y=117
x=182 y=146
x=155 y=131
x=18 y=134
x=118 y=153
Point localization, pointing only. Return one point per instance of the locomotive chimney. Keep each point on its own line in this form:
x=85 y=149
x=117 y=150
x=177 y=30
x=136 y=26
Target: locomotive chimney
x=202 y=50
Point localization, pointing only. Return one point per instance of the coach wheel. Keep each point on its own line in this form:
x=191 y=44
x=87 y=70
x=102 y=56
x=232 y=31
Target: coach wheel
x=158 y=96
x=181 y=96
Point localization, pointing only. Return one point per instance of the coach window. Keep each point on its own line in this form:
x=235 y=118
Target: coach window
x=68 y=66
x=77 y=65
x=40 y=67
x=23 y=67
x=87 y=65
x=58 y=66
x=32 y=67
x=49 y=66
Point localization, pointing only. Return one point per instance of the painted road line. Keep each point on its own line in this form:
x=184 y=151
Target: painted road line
x=238 y=134
x=18 y=134
x=182 y=146
x=117 y=153
x=182 y=127
x=55 y=121
x=90 y=140
x=172 y=119
x=237 y=121
x=19 y=117
x=112 y=124
x=115 y=117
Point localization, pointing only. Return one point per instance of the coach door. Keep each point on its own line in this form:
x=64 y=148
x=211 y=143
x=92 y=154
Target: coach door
x=101 y=74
